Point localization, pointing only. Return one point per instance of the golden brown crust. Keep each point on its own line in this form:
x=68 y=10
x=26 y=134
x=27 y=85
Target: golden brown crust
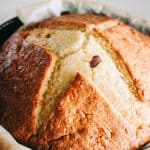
x=83 y=120
x=72 y=21
x=22 y=70
x=134 y=49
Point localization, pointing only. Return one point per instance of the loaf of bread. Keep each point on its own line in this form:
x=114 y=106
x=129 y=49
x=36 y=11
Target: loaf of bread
x=76 y=82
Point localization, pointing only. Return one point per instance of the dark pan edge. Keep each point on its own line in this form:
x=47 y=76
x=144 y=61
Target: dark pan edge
x=8 y=28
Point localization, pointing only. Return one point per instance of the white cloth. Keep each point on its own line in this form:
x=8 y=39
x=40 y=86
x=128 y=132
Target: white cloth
x=7 y=142
x=49 y=8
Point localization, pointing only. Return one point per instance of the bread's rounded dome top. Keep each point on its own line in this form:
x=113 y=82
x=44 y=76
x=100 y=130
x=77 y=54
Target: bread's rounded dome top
x=82 y=78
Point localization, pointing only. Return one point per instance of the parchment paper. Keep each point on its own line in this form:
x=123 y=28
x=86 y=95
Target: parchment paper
x=49 y=8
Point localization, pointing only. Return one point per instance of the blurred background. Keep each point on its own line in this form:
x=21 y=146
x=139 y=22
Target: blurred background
x=139 y=8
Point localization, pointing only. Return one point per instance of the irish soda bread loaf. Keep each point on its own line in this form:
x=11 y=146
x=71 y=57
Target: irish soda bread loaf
x=76 y=82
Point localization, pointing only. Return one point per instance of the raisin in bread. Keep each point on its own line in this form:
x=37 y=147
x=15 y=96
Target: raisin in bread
x=76 y=82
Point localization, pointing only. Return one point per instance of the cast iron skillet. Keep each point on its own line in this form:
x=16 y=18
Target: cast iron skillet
x=8 y=28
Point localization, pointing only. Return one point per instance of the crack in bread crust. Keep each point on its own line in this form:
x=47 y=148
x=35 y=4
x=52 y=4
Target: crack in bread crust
x=85 y=128
x=134 y=50
x=121 y=66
